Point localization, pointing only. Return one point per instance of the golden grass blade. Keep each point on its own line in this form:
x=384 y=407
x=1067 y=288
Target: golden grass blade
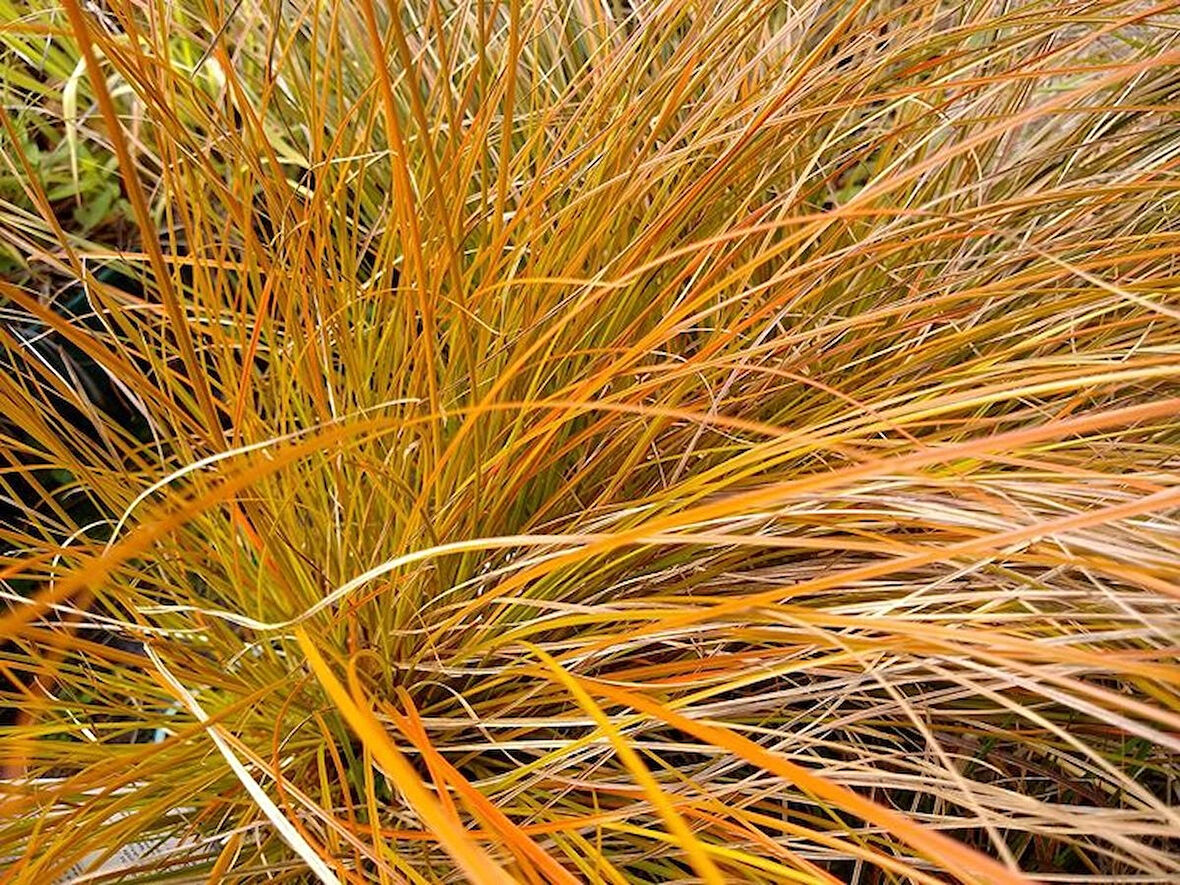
x=475 y=862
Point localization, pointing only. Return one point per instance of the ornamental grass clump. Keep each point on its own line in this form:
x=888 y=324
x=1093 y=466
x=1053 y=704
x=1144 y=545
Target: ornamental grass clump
x=536 y=441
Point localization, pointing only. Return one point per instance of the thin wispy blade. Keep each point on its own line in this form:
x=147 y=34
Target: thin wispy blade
x=218 y=35
x=290 y=835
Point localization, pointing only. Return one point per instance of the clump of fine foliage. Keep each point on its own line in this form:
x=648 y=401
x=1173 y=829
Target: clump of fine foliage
x=560 y=441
